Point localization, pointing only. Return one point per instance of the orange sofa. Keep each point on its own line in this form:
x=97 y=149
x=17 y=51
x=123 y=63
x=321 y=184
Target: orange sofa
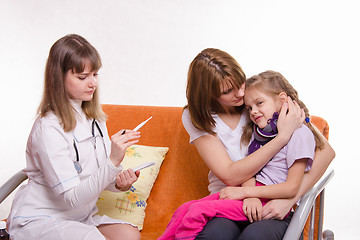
x=183 y=175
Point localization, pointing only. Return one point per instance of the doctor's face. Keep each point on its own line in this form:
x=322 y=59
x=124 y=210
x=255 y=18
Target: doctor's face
x=81 y=86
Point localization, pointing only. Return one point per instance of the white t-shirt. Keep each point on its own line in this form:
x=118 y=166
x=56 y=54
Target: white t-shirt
x=229 y=138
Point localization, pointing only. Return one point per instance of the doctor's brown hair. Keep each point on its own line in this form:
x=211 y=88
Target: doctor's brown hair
x=208 y=72
x=71 y=52
x=273 y=83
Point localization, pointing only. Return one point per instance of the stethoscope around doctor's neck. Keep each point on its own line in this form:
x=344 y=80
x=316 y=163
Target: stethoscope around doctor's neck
x=93 y=125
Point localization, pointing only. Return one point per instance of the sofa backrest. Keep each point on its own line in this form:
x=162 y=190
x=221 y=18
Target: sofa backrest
x=183 y=175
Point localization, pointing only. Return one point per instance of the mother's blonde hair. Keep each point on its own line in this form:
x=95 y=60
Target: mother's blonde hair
x=71 y=52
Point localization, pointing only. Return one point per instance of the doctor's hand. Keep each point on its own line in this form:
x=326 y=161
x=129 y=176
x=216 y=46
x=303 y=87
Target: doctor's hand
x=120 y=141
x=125 y=179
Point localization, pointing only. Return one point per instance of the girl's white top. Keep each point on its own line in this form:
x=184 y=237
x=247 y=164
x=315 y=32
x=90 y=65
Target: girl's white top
x=230 y=139
x=55 y=189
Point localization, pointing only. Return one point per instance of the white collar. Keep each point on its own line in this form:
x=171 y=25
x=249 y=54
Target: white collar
x=82 y=129
x=76 y=104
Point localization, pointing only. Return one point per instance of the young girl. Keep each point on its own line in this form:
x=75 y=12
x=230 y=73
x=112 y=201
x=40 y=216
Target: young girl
x=284 y=172
x=70 y=159
x=281 y=176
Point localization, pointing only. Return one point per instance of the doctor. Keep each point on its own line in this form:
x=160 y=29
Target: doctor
x=70 y=158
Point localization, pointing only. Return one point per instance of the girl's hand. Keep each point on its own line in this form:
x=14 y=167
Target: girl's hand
x=290 y=118
x=252 y=208
x=236 y=193
x=277 y=208
x=125 y=179
x=120 y=141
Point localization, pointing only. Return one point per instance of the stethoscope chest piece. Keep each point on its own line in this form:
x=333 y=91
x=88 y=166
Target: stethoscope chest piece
x=78 y=167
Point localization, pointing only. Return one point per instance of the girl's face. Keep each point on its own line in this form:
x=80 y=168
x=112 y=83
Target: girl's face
x=81 y=86
x=261 y=106
x=231 y=97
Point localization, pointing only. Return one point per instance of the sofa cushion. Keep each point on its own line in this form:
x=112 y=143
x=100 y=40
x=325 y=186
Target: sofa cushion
x=130 y=205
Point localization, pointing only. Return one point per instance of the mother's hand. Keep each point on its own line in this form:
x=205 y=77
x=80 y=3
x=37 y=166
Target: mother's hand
x=290 y=118
x=120 y=141
x=277 y=208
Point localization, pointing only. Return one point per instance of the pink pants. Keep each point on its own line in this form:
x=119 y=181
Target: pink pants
x=191 y=217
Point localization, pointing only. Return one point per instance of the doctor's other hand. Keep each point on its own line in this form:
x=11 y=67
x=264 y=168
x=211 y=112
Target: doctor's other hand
x=126 y=178
x=120 y=141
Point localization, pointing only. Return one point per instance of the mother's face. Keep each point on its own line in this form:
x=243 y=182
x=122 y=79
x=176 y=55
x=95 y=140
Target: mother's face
x=231 y=97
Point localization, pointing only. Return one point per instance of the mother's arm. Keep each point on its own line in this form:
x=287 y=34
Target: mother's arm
x=214 y=154
x=278 y=208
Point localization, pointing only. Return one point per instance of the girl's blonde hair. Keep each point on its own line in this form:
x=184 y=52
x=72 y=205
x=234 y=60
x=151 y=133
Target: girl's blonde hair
x=208 y=72
x=273 y=83
x=71 y=52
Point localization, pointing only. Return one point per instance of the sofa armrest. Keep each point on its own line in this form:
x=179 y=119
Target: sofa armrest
x=10 y=185
x=307 y=203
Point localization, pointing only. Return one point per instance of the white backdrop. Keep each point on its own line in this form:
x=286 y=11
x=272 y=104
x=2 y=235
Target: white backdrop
x=147 y=45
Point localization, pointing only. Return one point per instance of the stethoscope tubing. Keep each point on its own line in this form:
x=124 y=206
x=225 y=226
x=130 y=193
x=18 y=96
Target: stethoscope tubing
x=77 y=164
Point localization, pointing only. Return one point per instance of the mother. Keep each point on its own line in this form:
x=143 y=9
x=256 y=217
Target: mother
x=214 y=119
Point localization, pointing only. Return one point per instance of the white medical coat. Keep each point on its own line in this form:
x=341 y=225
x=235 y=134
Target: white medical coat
x=50 y=157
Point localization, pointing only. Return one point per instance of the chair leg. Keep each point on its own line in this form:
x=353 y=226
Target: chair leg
x=312 y=222
x=321 y=214
x=327 y=234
